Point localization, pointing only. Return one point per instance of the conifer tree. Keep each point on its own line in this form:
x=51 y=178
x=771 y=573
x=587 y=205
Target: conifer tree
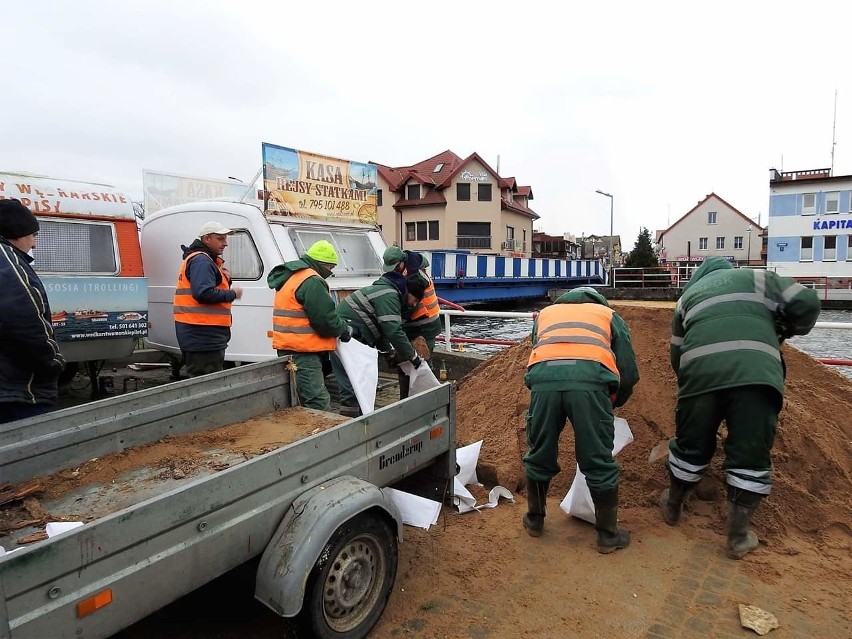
x=642 y=255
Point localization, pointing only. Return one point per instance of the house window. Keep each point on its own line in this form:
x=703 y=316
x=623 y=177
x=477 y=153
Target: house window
x=711 y=217
x=702 y=243
x=473 y=235
x=463 y=192
x=832 y=203
x=410 y=231
x=379 y=197
x=808 y=203
x=438 y=167
x=720 y=243
x=421 y=232
x=433 y=230
x=738 y=242
x=412 y=192
x=510 y=232
x=849 y=248
x=484 y=192
x=807 y=249
x=829 y=253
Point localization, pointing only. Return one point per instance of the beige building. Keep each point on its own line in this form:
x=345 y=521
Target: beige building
x=711 y=228
x=446 y=202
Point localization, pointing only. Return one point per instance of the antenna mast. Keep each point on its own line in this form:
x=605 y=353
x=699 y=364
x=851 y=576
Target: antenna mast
x=833 y=129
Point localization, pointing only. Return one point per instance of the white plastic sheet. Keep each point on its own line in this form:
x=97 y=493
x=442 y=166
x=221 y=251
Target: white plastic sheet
x=415 y=510
x=467 y=458
x=361 y=363
x=419 y=379
x=578 y=502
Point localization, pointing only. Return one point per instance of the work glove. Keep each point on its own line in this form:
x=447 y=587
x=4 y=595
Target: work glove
x=391 y=357
x=416 y=361
x=347 y=335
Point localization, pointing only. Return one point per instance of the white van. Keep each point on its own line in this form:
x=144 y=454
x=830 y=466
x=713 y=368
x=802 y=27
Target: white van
x=261 y=242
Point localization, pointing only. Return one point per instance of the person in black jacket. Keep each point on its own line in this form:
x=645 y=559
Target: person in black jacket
x=30 y=361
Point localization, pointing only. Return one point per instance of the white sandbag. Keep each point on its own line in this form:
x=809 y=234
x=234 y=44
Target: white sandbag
x=467 y=458
x=419 y=379
x=578 y=502
x=361 y=363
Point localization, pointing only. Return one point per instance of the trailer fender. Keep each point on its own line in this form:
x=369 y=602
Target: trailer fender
x=308 y=525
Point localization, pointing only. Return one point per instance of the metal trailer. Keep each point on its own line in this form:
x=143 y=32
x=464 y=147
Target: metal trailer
x=313 y=511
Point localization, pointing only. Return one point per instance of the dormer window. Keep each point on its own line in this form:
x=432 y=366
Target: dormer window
x=413 y=192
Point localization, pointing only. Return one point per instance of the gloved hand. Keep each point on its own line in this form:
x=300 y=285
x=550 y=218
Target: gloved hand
x=391 y=357
x=416 y=361
x=347 y=335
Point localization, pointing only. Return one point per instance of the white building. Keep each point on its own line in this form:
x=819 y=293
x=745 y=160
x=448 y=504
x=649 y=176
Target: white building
x=810 y=225
x=711 y=228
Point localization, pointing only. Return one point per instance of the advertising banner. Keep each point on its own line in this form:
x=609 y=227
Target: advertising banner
x=303 y=184
x=161 y=190
x=97 y=307
x=48 y=196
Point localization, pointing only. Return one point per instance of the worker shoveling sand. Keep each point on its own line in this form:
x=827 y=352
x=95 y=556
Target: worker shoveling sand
x=812 y=458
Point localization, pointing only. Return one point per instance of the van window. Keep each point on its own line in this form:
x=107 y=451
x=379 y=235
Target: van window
x=76 y=246
x=354 y=251
x=241 y=257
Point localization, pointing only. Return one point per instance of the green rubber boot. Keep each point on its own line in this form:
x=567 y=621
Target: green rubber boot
x=536 y=506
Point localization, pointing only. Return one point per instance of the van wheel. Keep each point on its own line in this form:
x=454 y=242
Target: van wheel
x=351 y=582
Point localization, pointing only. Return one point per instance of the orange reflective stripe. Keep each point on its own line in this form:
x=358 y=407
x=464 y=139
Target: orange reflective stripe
x=428 y=306
x=575 y=331
x=189 y=310
x=291 y=330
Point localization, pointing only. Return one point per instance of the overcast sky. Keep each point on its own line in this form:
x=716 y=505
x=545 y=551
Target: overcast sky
x=657 y=103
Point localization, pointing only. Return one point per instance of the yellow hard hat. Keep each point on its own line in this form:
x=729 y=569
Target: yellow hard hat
x=322 y=251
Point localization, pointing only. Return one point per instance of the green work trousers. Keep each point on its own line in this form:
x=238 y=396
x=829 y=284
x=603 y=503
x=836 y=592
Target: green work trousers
x=310 y=381
x=590 y=413
x=347 y=393
x=751 y=414
x=203 y=362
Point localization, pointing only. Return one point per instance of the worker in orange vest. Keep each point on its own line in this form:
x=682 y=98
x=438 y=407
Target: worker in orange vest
x=304 y=319
x=581 y=366
x=202 y=301
x=421 y=320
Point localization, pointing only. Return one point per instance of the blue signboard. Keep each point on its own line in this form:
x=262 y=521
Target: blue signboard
x=85 y=308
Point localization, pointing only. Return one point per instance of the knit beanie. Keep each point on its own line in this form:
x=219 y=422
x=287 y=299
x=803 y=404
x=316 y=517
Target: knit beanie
x=16 y=220
x=322 y=251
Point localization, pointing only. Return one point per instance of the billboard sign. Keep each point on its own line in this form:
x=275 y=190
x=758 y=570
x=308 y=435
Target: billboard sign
x=161 y=190
x=48 y=196
x=303 y=184
x=85 y=308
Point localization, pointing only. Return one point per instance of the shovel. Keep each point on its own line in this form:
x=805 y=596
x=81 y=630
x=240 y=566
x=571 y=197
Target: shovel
x=659 y=451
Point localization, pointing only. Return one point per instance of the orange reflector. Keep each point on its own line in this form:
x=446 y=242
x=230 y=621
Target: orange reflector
x=88 y=606
x=269 y=334
x=436 y=432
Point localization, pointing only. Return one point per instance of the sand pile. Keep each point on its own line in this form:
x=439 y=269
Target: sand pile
x=812 y=455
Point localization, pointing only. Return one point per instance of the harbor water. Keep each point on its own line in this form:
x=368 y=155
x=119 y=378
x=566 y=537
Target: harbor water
x=828 y=343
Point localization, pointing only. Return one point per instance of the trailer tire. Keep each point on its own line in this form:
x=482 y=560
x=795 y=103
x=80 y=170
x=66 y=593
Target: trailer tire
x=351 y=582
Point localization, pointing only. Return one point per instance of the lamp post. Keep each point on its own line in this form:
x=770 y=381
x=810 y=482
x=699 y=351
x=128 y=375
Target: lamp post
x=611 y=205
x=748 y=255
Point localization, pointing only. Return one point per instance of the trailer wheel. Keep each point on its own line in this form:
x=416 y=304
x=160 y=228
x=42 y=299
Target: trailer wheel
x=351 y=582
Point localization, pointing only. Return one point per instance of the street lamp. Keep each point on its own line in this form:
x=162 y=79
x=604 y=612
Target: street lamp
x=748 y=255
x=611 y=204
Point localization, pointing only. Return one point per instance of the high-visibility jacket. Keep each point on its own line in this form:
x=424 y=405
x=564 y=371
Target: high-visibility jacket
x=292 y=331
x=189 y=310
x=427 y=309
x=575 y=331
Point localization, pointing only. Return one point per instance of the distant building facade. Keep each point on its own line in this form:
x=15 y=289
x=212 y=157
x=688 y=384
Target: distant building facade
x=449 y=202
x=810 y=225
x=711 y=228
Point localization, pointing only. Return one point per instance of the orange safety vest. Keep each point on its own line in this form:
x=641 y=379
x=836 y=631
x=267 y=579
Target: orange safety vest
x=189 y=310
x=291 y=330
x=575 y=331
x=427 y=309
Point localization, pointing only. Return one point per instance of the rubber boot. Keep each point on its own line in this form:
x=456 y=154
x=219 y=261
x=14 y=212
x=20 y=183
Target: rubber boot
x=673 y=498
x=536 y=506
x=742 y=504
x=610 y=536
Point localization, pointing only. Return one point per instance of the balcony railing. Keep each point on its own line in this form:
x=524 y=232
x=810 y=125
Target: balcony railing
x=473 y=242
